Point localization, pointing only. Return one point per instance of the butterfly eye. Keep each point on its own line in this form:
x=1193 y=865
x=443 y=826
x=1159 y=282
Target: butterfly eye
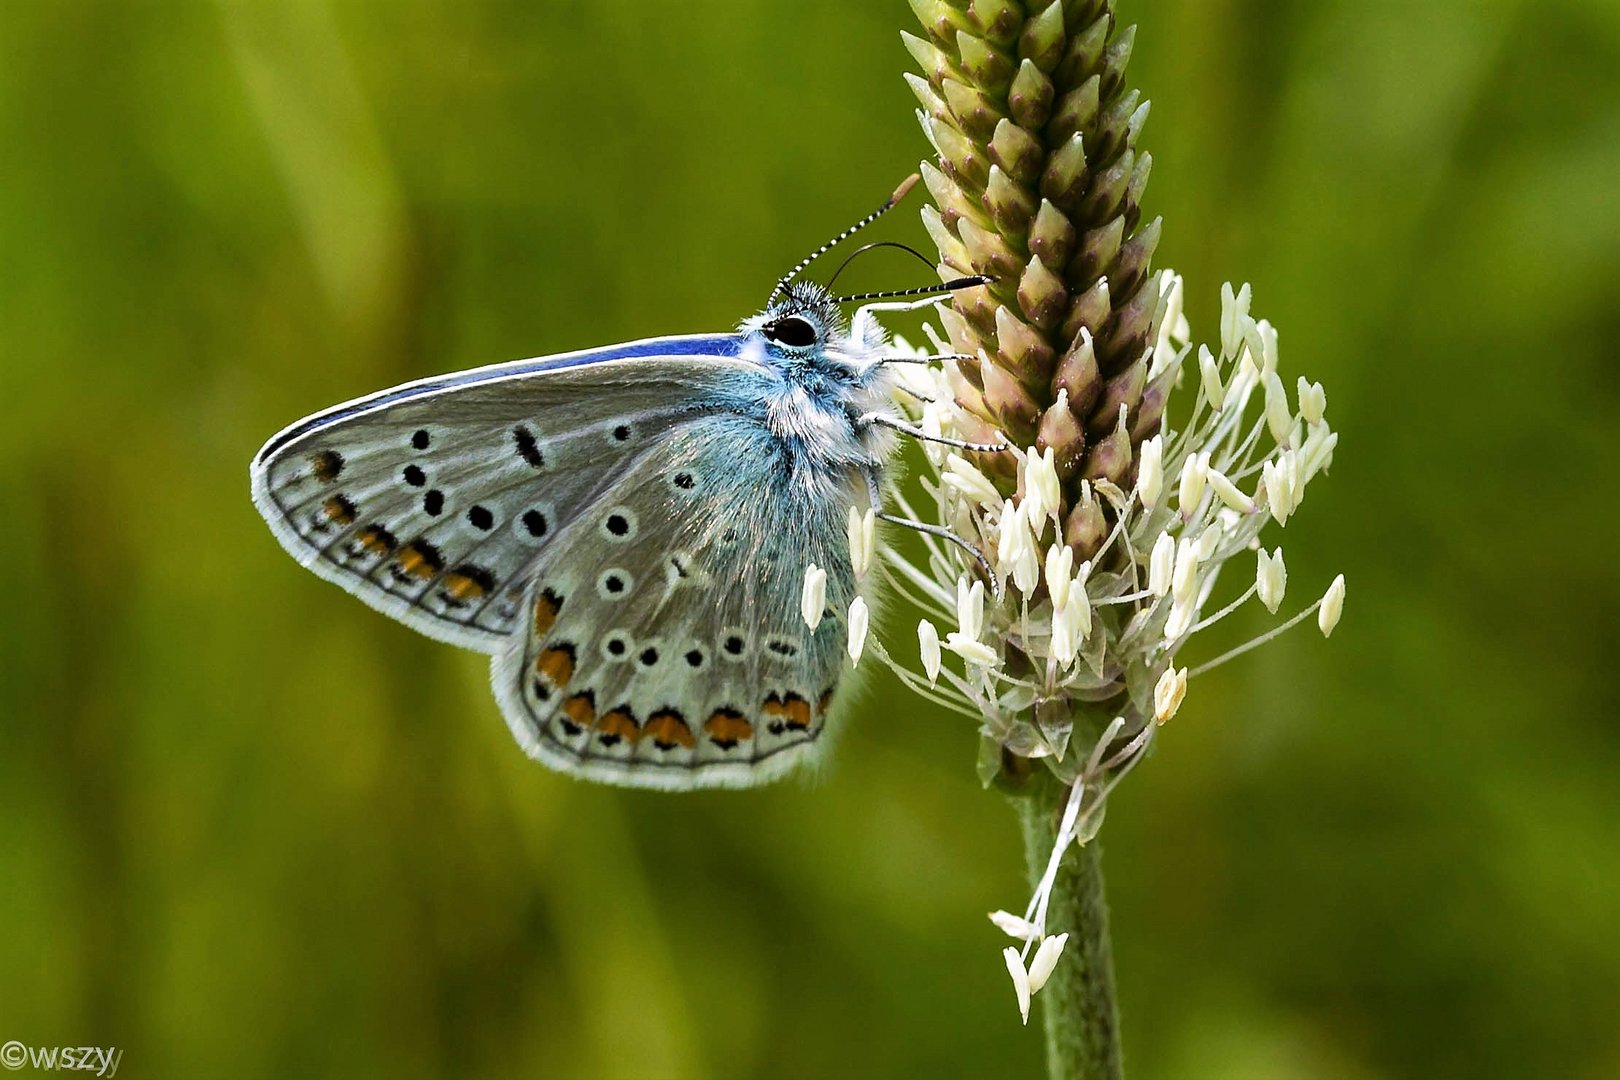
x=792 y=331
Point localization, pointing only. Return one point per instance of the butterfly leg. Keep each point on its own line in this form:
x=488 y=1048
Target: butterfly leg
x=874 y=493
x=896 y=424
x=868 y=313
x=910 y=393
x=935 y=359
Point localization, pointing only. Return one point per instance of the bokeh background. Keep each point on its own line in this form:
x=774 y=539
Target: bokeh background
x=250 y=828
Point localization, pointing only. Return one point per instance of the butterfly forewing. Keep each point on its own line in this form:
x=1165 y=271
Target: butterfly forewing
x=664 y=645
x=434 y=502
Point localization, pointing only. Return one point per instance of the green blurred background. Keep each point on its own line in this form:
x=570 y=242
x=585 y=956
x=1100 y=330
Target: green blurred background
x=249 y=827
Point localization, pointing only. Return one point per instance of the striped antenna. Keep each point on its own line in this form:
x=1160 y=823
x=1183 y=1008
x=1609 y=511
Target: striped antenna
x=889 y=204
x=925 y=290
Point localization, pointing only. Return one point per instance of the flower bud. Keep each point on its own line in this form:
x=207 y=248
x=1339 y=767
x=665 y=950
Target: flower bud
x=1030 y=97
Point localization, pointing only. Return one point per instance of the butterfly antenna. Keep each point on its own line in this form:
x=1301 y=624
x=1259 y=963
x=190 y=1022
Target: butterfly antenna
x=864 y=248
x=924 y=290
x=889 y=204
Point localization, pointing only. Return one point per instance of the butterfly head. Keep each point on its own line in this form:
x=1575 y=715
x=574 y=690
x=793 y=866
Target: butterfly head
x=803 y=321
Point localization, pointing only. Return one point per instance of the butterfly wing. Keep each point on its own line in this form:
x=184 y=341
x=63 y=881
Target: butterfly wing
x=665 y=647
x=434 y=501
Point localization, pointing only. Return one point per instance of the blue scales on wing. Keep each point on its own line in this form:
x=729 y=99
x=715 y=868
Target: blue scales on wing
x=435 y=501
x=665 y=645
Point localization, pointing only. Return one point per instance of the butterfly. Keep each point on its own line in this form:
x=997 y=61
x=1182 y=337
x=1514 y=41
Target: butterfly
x=624 y=530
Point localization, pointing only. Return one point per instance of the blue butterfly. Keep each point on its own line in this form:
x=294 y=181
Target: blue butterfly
x=625 y=530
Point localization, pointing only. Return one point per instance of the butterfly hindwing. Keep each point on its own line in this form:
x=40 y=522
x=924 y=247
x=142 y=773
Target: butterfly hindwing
x=664 y=645
x=433 y=502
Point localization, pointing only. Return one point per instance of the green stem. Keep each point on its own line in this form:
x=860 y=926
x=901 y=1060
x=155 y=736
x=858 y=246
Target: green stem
x=1077 y=1003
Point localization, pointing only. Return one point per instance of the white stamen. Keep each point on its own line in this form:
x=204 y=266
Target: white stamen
x=1013 y=926
x=1229 y=494
x=1271 y=579
x=928 y=645
x=1042 y=492
x=1278 y=418
x=813 y=601
x=1059 y=565
x=1150 y=472
x=1210 y=378
x=1184 y=582
x=971 y=650
x=1015 y=550
x=1020 y=978
x=1161 y=565
x=1180 y=620
x=862 y=539
x=1044 y=960
x=1312 y=401
x=1066 y=629
x=961 y=475
x=969 y=607
x=1168 y=692
x=1080 y=602
x=1318 y=451
x=1194 y=471
x=1275 y=477
x=859 y=618
x=1234 y=316
x=1332 y=607
x=1268 y=345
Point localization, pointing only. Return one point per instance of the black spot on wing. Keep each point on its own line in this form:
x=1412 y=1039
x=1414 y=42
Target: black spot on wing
x=528 y=447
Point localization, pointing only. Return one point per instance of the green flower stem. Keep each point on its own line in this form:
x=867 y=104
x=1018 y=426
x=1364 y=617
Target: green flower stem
x=1077 y=1003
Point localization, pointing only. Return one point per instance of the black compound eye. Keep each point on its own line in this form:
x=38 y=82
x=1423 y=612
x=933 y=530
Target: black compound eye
x=792 y=331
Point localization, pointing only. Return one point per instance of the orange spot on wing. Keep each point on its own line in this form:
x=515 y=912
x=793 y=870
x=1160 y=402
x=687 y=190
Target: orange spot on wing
x=340 y=510
x=377 y=540
x=790 y=710
x=546 y=607
x=556 y=664
x=420 y=559
x=825 y=700
x=618 y=724
x=667 y=729
x=462 y=587
x=728 y=727
x=581 y=709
